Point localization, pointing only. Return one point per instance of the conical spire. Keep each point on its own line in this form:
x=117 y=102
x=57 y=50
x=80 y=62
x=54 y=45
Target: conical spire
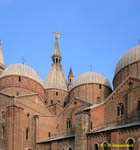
x=56 y=57
x=70 y=79
x=70 y=73
x=56 y=78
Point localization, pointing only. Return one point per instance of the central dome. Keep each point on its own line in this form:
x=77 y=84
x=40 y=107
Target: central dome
x=91 y=77
x=21 y=70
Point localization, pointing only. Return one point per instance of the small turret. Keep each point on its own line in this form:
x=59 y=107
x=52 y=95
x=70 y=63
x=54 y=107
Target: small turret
x=70 y=79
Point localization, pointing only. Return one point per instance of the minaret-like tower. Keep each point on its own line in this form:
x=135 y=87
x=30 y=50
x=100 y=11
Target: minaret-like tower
x=70 y=79
x=56 y=85
x=1 y=60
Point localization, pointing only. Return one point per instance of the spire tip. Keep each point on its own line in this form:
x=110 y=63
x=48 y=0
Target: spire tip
x=57 y=35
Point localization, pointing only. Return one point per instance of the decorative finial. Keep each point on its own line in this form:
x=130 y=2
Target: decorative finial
x=138 y=41
x=0 y=43
x=90 y=67
x=57 y=35
x=23 y=60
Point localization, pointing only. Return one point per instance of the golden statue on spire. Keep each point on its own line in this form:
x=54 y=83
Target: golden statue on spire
x=57 y=35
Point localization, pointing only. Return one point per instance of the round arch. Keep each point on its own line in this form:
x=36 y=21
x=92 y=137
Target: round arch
x=28 y=148
x=129 y=139
x=96 y=146
x=63 y=148
x=105 y=147
x=70 y=148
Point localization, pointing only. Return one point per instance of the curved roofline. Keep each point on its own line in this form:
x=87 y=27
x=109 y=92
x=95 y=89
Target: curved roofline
x=123 y=68
x=89 y=83
x=56 y=89
x=91 y=77
x=22 y=70
x=120 y=66
x=22 y=76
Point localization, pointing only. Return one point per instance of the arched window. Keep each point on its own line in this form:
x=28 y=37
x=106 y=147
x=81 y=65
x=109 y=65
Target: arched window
x=75 y=103
x=100 y=86
x=91 y=125
x=3 y=132
x=56 y=60
x=98 y=100
x=28 y=149
x=19 y=79
x=70 y=148
x=49 y=134
x=51 y=102
x=130 y=142
x=139 y=105
x=63 y=148
x=120 y=109
x=105 y=146
x=3 y=115
x=27 y=134
x=96 y=147
x=68 y=123
x=17 y=94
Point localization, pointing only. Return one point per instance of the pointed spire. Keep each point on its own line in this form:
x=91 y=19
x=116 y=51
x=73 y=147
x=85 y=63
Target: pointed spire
x=70 y=73
x=70 y=79
x=56 y=78
x=1 y=56
x=56 y=57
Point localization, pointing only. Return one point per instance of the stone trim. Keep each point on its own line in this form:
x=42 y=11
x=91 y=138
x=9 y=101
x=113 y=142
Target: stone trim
x=129 y=139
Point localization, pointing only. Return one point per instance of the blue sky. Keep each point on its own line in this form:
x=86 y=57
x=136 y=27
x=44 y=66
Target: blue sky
x=96 y=32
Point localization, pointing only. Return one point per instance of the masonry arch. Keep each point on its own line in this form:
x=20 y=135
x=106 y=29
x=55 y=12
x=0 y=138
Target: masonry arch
x=28 y=148
x=96 y=146
x=63 y=148
x=105 y=145
x=70 y=148
x=130 y=141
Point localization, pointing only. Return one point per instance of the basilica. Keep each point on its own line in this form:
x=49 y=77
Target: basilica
x=67 y=114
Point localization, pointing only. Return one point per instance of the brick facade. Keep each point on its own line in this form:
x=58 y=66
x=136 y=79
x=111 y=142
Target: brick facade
x=86 y=117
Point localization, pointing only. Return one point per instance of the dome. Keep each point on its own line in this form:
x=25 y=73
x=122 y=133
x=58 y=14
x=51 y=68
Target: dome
x=21 y=70
x=91 y=77
x=132 y=56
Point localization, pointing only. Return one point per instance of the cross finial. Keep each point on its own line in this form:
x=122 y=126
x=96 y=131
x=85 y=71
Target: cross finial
x=138 y=41
x=23 y=60
x=90 y=67
x=0 y=42
x=57 y=35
